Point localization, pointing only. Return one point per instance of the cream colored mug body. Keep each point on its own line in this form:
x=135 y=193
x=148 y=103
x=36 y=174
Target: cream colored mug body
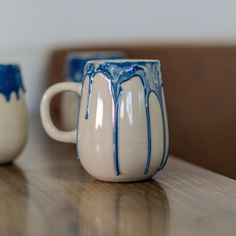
x=122 y=132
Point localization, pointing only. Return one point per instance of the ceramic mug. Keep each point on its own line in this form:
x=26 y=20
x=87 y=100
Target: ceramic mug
x=122 y=132
x=13 y=118
x=74 y=67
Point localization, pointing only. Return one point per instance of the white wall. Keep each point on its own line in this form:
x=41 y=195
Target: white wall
x=30 y=29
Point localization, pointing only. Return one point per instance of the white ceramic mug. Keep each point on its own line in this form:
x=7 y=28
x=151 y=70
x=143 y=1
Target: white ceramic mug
x=122 y=132
x=74 y=67
x=13 y=118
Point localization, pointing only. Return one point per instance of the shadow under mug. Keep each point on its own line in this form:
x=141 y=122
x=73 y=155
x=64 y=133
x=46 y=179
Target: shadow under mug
x=122 y=132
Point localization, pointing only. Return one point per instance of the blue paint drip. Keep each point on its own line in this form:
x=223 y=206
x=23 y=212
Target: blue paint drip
x=159 y=96
x=148 y=135
x=10 y=81
x=165 y=153
x=117 y=73
x=75 y=62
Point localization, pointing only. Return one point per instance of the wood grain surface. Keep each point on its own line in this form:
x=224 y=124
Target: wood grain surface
x=47 y=192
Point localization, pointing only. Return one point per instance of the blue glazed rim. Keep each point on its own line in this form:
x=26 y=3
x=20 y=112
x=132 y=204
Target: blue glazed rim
x=11 y=81
x=123 y=60
x=75 y=62
x=121 y=63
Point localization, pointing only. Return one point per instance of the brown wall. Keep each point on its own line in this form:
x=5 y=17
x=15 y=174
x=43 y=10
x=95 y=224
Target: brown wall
x=200 y=86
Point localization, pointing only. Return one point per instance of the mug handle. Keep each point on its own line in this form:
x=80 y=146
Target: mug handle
x=50 y=128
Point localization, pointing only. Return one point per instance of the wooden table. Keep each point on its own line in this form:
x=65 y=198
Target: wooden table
x=47 y=192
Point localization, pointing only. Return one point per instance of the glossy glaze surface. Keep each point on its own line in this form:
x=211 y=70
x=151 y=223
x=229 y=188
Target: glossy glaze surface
x=74 y=67
x=117 y=74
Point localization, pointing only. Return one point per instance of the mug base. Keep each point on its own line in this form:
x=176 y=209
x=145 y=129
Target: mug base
x=123 y=179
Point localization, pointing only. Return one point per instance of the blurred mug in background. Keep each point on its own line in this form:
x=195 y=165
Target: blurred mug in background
x=13 y=118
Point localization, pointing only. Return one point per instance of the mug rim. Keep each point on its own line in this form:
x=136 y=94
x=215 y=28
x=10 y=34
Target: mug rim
x=120 y=61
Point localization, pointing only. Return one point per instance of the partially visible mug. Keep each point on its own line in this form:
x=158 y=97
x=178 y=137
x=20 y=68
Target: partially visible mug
x=122 y=132
x=74 y=67
x=13 y=118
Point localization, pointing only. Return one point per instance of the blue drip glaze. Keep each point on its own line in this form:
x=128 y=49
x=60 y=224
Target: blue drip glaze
x=163 y=160
x=75 y=62
x=10 y=81
x=165 y=154
x=117 y=73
